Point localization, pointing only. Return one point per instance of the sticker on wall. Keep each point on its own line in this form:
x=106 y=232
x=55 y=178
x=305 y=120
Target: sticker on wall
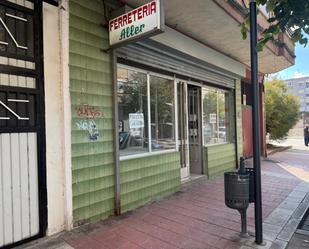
x=90 y=126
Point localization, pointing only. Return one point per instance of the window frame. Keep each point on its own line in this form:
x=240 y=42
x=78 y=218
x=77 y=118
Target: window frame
x=229 y=139
x=148 y=74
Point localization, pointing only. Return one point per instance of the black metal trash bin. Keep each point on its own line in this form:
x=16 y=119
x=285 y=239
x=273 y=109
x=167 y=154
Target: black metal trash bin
x=236 y=188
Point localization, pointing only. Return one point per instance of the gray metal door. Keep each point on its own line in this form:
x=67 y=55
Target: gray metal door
x=195 y=138
x=22 y=170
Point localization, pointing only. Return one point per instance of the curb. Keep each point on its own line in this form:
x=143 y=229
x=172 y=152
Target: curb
x=282 y=223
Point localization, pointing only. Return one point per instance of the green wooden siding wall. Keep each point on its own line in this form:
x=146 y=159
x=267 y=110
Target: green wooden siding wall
x=221 y=158
x=91 y=83
x=146 y=178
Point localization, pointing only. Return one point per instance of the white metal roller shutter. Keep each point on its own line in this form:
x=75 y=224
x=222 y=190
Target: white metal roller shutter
x=158 y=56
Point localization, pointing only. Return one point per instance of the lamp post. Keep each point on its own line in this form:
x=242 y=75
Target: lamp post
x=256 y=124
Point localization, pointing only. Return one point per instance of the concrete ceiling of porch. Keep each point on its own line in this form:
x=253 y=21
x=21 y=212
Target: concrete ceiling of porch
x=207 y=22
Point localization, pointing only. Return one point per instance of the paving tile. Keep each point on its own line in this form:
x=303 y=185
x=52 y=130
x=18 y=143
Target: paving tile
x=301 y=209
x=289 y=205
x=288 y=231
x=271 y=231
x=85 y=242
x=279 y=217
x=153 y=243
x=278 y=244
x=115 y=241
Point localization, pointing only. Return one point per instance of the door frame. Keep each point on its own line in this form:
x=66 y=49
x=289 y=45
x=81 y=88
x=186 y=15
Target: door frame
x=184 y=151
x=199 y=102
x=40 y=111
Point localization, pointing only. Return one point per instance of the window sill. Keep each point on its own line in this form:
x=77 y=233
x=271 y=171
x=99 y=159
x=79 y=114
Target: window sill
x=218 y=144
x=147 y=154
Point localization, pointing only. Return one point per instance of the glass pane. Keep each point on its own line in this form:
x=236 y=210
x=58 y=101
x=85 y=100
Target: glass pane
x=162 y=113
x=132 y=112
x=210 y=120
x=216 y=116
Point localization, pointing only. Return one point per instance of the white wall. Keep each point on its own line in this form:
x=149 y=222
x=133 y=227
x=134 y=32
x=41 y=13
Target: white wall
x=58 y=213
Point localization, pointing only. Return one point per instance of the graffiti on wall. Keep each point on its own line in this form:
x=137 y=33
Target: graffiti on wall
x=89 y=113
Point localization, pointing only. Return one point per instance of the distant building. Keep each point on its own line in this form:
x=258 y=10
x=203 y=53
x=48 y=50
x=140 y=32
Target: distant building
x=300 y=88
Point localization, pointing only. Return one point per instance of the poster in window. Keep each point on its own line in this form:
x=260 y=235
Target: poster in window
x=136 y=120
x=212 y=118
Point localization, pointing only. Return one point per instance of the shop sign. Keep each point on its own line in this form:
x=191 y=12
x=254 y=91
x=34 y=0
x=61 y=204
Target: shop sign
x=212 y=118
x=144 y=21
x=136 y=120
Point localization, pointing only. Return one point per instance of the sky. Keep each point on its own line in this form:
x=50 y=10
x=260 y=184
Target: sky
x=301 y=67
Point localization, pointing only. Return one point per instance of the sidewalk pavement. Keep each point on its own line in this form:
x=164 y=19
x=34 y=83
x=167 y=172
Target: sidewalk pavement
x=197 y=218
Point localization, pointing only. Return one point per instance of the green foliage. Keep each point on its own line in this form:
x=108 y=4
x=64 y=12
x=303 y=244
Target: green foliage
x=285 y=15
x=282 y=109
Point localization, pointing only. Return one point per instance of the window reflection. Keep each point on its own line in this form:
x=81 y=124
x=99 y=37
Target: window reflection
x=215 y=115
x=132 y=112
x=162 y=113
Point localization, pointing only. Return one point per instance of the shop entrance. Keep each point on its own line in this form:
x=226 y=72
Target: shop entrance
x=194 y=124
x=189 y=129
x=183 y=129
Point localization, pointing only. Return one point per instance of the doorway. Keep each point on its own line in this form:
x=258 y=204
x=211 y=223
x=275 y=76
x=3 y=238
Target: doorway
x=189 y=129
x=194 y=125
x=182 y=98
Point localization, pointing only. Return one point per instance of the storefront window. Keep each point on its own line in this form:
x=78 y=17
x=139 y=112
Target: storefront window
x=162 y=113
x=216 y=116
x=133 y=104
x=132 y=112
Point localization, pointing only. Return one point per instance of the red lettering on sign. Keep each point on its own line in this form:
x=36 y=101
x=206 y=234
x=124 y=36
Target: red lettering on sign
x=134 y=15
x=129 y=18
x=120 y=22
x=116 y=23
x=140 y=13
x=124 y=20
x=145 y=10
x=153 y=7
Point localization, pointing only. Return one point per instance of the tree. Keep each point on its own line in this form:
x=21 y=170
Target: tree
x=281 y=107
x=284 y=15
